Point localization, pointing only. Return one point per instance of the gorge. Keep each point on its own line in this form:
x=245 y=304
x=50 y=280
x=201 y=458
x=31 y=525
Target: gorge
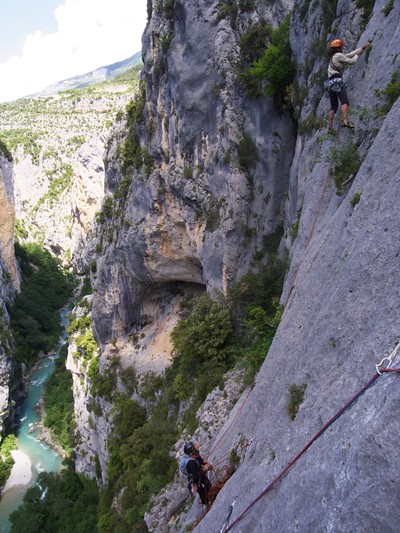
x=243 y=263
x=34 y=454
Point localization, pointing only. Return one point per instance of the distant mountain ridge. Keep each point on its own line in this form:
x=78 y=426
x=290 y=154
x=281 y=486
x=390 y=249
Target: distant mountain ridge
x=104 y=73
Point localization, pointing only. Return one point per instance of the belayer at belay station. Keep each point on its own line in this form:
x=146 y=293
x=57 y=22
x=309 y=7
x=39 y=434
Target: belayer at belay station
x=195 y=468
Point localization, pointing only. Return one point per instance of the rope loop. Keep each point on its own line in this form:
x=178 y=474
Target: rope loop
x=389 y=359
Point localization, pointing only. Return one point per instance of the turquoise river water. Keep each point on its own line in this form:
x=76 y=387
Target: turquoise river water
x=42 y=458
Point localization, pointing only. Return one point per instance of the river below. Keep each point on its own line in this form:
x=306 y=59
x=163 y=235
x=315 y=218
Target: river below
x=32 y=456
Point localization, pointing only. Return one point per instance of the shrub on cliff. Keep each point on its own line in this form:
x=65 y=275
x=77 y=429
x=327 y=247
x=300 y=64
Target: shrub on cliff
x=391 y=93
x=8 y=444
x=5 y=151
x=367 y=7
x=201 y=339
x=252 y=42
x=275 y=68
x=346 y=163
x=254 y=301
x=134 y=156
x=139 y=465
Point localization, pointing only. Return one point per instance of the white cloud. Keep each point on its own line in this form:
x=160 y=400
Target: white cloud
x=90 y=34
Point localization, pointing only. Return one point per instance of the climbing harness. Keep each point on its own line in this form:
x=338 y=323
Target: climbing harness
x=322 y=430
x=333 y=85
x=218 y=478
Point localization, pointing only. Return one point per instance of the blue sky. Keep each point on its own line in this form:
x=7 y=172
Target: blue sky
x=45 y=41
x=21 y=17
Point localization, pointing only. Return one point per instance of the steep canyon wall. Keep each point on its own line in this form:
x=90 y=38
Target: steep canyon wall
x=212 y=175
x=57 y=144
x=341 y=298
x=195 y=214
x=9 y=282
x=202 y=212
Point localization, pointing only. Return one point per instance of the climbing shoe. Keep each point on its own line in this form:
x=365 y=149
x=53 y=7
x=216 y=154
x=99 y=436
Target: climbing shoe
x=331 y=131
x=348 y=125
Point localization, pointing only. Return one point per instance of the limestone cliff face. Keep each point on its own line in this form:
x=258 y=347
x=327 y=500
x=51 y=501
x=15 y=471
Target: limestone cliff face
x=201 y=210
x=342 y=289
x=341 y=315
x=9 y=282
x=94 y=412
x=90 y=444
x=7 y=217
x=57 y=143
x=195 y=215
x=51 y=184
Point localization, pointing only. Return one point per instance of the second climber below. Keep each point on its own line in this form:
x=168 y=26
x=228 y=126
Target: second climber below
x=339 y=60
x=197 y=470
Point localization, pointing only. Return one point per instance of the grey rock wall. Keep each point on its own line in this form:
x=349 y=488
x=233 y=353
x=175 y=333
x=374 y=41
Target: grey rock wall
x=199 y=216
x=57 y=143
x=342 y=290
x=7 y=217
x=341 y=318
x=91 y=429
x=9 y=283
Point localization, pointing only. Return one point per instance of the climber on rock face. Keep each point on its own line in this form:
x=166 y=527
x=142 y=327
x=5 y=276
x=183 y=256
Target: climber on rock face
x=339 y=60
x=197 y=470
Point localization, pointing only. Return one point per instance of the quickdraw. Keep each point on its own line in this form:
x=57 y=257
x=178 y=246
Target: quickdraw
x=225 y=525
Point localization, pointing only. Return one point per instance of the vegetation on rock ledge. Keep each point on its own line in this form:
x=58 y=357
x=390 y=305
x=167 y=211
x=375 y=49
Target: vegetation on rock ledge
x=8 y=444
x=211 y=337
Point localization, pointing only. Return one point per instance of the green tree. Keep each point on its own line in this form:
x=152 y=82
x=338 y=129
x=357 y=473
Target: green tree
x=64 y=502
x=45 y=289
x=8 y=444
x=276 y=65
x=128 y=416
x=59 y=402
x=201 y=339
x=273 y=71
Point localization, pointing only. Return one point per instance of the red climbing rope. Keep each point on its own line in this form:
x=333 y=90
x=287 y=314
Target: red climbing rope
x=307 y=446
x=323 y=191
x=230 y=427
x=228 y=456
x=314 y=223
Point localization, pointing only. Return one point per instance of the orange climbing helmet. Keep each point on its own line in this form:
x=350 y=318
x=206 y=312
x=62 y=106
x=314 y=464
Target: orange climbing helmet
x=336 y=43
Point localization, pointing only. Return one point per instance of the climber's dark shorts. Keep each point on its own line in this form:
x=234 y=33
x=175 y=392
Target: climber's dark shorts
x=335 y=97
